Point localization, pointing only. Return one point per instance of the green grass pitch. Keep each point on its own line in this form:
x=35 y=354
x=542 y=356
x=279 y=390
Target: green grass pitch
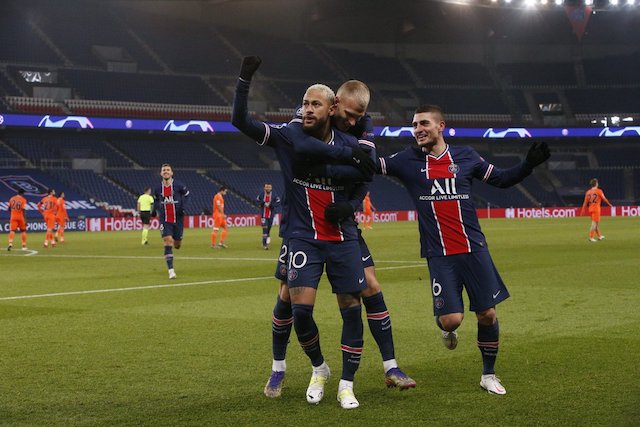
x=94 y=333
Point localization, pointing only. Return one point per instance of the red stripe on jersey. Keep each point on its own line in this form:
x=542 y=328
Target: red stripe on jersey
x=267 y=209
x=448 y=216
x=169 y=208
x=317 y=200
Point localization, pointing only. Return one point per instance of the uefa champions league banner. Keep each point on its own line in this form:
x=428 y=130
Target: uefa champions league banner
x=204 y=126
x=35 y=226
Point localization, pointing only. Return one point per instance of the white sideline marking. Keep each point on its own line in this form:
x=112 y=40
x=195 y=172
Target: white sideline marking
x=169 y=285
x=134 y=288
x=20 y=252
x=182 y=257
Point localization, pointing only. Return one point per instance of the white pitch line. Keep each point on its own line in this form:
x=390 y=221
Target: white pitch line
x=134 y=288
x=168 y=285
x=182 y=257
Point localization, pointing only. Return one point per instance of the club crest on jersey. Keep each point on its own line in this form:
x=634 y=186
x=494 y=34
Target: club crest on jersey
x=453 y=168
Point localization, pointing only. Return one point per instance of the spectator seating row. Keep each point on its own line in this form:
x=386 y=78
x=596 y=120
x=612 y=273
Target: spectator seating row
x=149 y=110
x=29 y=105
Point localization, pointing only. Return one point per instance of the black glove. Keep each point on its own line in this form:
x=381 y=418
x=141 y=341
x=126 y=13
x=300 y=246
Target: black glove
x=154 y=213
x=306 y=171
x=362 y=161
x=180 y=212
x=338 y=212
x=250 y=65
x=538 y=154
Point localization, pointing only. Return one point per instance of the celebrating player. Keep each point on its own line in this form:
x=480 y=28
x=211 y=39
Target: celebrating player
x=438 y=177
x=48 y=207
x=219 y=219
x=268 y=202
x=593 y=198
x=171 y=198
x=352 y=100
x=18 y=219
x=313 y=241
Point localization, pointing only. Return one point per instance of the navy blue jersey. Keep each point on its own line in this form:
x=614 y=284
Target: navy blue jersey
x=170 y=199
x=268 y=203
x=440 y=188
x=304 y=201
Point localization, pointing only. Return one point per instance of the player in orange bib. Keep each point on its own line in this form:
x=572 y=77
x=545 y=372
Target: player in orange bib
x=219 y=219
x=367 y=210
x=18 y=219
x=61 y=218
x=48 y=207
x=593 y=198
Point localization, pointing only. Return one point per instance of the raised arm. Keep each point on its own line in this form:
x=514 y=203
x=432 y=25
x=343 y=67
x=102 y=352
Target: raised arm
x=503 y=178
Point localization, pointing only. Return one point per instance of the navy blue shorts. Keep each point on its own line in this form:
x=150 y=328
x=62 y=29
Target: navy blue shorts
x=266 y=222
x=475 y=272
x=307 y=260
x=171 y=229
x=365 y=255
x=281 y=267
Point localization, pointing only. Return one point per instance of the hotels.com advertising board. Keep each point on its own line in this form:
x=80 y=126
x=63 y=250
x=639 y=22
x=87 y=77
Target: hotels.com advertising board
x=205 y=221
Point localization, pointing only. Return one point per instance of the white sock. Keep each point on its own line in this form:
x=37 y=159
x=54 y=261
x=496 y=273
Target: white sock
x=344 y=384
x=322 y=369
x=389 y=364
x=279 y=365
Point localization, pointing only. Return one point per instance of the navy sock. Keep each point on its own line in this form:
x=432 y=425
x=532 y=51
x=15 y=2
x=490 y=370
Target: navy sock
x=380 y=324
x=352 y=342
x=488 y=340
x=281 y=323
x=307 y=332
x=168 y=256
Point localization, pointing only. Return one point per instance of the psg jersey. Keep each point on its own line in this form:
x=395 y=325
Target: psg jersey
x=305 y=200
x=440 y=187
x=169 y=199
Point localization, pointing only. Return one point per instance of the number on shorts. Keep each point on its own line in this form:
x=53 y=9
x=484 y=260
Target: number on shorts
x=283 y=253
x=297 y=260
x=436 y=288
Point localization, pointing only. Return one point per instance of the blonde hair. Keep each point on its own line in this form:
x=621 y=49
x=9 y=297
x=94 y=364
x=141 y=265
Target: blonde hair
x=357 y=90
x=329 y=94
